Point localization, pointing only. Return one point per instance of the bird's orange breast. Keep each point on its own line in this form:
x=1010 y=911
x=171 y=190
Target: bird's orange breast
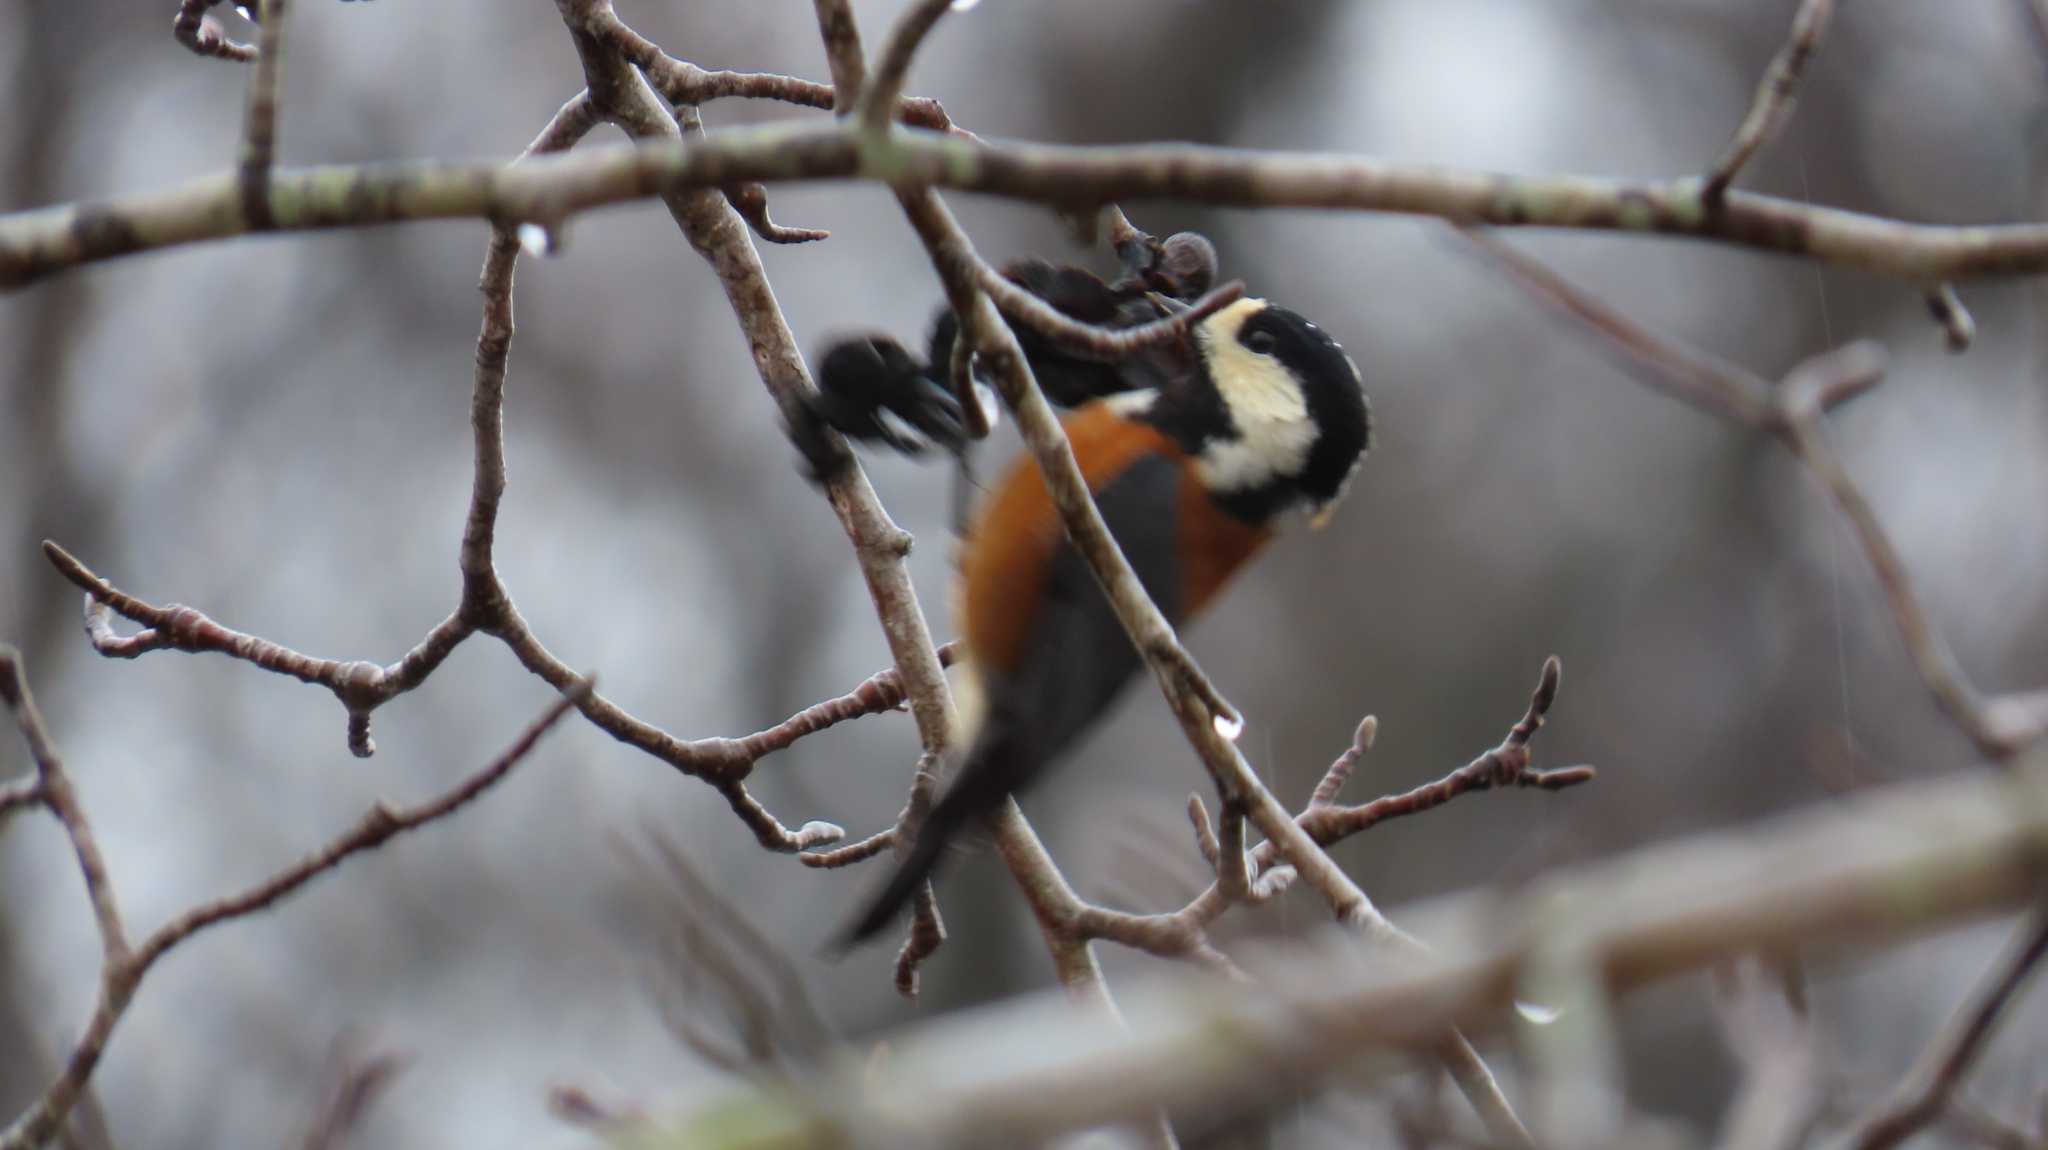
x=1008 y=554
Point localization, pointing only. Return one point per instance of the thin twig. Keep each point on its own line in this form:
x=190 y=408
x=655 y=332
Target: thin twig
x=1507 y=765
x=1776 y=94
x=1939 y=670
x=1205 y=834
x=843 y=53
x=1958 y=328
x=750 y=200
x=1761 y=1008
x=55 y=792
x=359 y=1080
x=123 y=967
x=2001 y=726
x=884 y=85
x=1102 y=343
x=259 y=119
x=1927 y=1088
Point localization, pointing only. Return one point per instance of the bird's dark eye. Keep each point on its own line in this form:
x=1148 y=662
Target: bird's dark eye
x=1261 y=342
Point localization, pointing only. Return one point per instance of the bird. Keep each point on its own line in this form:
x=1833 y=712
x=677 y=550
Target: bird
x=1195 y=451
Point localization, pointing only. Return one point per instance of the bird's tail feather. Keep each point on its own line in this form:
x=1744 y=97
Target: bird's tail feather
x=977 y=790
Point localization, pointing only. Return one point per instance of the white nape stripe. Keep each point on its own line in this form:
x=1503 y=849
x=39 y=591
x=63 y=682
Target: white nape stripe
x=1132 y=403
x=1264 y=399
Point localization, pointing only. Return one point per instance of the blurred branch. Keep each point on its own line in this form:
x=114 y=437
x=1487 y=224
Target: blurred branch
x=2001 y=726
x=1963 y=846
x=1929 y=1086
x=359 y=1079
x=1775 y=96
x=843 y=53
x=764 y=993
x=1958 y=328
x=1762 y=1011
x=123 y=966
x=42 y=241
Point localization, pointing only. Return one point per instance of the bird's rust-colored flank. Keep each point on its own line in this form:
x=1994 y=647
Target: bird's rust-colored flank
x=1003 y=573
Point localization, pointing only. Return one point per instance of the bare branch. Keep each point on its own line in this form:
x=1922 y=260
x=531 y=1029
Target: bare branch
x=1965 y=845
x=55 y=792
x=360 y=686
x=2000 y=727
x=1763 y=1015
x=379 y=825
x=1205 y=835
x=843 y=53
x=39 y=242
x=750 y=200
x=259 y=120
x=1775 y=94
x=1998 y=736
x=1928 y=1087
x=1707 y=382
x=360 y=1078
x=927 y=935
x=885 y=86
x=1333 y=780
x=1507 y=765
x=1099 y=342
x=122 y=969
x=1946 y=307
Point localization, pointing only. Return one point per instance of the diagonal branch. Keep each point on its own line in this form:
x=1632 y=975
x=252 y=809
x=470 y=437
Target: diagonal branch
x=1929 y=1086
x=123 y=968
x=2002 y=726
x=1831 y=875
x=1775 y=96
x=884 y=87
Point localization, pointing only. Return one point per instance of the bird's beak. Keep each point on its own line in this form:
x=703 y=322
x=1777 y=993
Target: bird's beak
x=1322 y=517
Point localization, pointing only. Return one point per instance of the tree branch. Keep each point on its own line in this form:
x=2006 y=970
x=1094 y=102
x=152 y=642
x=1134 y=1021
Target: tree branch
x=2001 y=727
x=1929 y=1086
x=123 y=968
x=1965 y=846
x=259 y=119
x=1776 y=94
x=40 y=242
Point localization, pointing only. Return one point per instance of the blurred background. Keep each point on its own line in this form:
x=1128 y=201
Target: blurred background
x=275 y=431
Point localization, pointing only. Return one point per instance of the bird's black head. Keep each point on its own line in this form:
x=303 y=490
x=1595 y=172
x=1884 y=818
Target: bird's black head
x=1297 y=420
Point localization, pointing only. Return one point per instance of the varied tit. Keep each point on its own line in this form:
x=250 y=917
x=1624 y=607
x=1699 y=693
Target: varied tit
x=1193 y=453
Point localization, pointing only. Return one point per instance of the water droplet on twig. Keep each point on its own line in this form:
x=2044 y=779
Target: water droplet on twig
x=538 y=239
